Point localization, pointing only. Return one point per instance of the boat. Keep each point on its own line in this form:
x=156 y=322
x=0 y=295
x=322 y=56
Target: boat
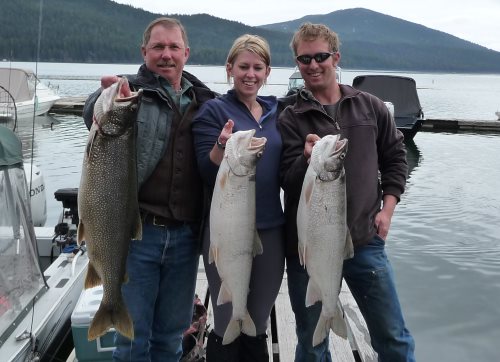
x=35 y=304
x=295 y=81
x=400 y=95
x=23 y=95
x=497 y=113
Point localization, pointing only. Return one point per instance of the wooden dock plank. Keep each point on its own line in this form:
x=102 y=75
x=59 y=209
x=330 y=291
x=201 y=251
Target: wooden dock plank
x=359 y=335
x=281 y=330
x=340 y=348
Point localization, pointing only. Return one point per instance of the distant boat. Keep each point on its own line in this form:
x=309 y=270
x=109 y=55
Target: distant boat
x=498 y=114
x=295 y=81
x=22 y=94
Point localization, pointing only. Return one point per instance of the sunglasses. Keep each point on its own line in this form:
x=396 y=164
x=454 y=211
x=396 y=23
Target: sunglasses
x=318 y=57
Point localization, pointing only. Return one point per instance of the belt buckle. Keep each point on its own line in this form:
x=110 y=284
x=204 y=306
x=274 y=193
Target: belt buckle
x=155 y=223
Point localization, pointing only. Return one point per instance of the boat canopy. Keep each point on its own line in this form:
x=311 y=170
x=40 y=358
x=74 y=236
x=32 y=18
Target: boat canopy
x=19 y=82
x=21 y=278
x=400 y=91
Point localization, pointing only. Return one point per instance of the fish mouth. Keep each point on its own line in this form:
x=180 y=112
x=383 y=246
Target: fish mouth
x=340 y=145
x=257 y=142
x=124 y=93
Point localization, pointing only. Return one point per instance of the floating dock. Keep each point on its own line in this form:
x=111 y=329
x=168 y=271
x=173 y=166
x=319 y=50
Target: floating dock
x=74 y=105
x=281 y=331
x=281 y=328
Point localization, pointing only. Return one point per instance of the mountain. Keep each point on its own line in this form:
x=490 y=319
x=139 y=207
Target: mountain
x=102 y=31
x=371 y=40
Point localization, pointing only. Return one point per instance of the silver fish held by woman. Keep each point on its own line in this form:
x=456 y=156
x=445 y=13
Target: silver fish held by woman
x=234 y=241
x=107 y=204
x=324 y=239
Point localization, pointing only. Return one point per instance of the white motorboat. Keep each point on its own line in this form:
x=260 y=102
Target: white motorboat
x=23 y=95
x=35 y=305
x=295 y=81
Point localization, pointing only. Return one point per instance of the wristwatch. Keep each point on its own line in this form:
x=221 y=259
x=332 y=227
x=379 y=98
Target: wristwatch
x=220 y=145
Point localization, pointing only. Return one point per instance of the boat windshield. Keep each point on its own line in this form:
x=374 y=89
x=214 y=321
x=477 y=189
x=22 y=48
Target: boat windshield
x=21 y=278
x=296 y=81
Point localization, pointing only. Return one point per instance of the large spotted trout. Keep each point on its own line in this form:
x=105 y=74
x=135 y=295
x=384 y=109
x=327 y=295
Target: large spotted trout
x=324 y=239
x=234 y=240
x=108 y=205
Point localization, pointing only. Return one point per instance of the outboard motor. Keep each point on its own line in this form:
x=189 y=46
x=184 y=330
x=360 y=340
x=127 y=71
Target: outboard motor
x=66 y=229
x=38 y=200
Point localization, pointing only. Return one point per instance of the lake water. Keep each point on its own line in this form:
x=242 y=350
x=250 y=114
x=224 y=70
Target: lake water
x=444 y=242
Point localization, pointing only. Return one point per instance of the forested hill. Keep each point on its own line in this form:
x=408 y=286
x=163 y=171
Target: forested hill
x=101 y=31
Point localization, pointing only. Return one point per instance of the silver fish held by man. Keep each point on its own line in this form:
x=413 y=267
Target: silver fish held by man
x=107 y=204
x=324 y=239
x=234 y=240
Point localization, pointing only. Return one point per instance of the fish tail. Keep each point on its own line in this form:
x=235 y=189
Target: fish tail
x=92 y=279
x=321 y=330
x=248 y=326
x=233 y=331
x=338 y=324
x=107 y=317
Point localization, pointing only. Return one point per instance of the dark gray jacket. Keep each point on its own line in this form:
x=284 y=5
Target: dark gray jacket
x=375 y=145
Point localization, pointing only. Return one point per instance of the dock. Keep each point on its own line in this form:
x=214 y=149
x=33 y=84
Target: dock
x=281 y=327
x=69 y=105
x=74 y=105
x=281 y=330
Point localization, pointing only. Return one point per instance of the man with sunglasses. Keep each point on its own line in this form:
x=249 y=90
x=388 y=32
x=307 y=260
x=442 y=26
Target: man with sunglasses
x=376 y=171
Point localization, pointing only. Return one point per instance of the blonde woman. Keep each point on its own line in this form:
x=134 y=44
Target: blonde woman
x=241 y=108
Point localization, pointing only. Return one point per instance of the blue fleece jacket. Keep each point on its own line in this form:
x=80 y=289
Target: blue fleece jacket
x=207 y=126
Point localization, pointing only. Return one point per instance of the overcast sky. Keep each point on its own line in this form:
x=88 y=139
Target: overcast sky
x=477 y=21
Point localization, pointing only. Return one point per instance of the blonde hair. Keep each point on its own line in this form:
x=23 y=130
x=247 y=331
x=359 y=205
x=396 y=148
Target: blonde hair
x=311 y=32
x=167 y=23
x=252 y=43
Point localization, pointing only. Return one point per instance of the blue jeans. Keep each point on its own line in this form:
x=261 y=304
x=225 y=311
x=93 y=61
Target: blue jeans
x=162 y=269
x=370 y=277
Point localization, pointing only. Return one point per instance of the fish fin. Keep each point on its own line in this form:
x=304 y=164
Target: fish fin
x=302 y=255
x=313 y=293
x=92 y=279
x=321 y=331
x=107 y=317
x=308 y=191
x=212 y=255
x=338 y=323
x=257 y=244
x=248 y=326
x=224 y=294
x=79 y=233
x=233 y=331
x=137 y=231
x=349 y=247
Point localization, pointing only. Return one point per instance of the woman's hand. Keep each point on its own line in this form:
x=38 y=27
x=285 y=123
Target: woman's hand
x=226 y=133
x=217 y=152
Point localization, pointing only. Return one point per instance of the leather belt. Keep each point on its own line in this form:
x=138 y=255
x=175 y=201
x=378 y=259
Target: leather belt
x=157 y=220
